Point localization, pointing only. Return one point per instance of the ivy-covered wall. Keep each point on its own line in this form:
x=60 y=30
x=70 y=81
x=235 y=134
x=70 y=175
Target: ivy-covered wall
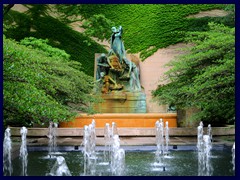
x=147 y=27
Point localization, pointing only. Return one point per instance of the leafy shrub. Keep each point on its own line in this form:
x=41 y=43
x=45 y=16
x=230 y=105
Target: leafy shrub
x=40 y=87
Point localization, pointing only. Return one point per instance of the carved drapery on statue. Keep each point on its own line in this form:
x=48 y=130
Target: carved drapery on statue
x=118 y=79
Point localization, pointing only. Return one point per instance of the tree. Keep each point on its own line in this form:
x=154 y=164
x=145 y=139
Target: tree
x=6 y=8
x=42 y=21
x=42 y=84
x=205 y=76
x=96 y=26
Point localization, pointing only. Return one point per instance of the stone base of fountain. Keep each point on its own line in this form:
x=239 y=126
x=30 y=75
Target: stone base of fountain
x=122 y=102
x=128 y=120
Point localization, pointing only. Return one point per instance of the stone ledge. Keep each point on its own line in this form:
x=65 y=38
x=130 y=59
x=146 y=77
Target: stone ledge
x=124 y=132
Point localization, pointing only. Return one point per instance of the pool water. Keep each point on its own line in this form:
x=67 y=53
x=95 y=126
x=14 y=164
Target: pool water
x=137 y=163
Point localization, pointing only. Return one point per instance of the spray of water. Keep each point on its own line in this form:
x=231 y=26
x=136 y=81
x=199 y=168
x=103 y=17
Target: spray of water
x=233 y=156
x=200 y=137
x=204 y=146
x=118 y=157
x=108 y=142
x=209 y=132
x=89 y=140
x=60 y=168
x=112 y=152
x=23 y=151
x=7 y=149
x=109 y=133
x=52 y=138
x=161 y=140
x=89 y=143
x=166 y=137
x=114 y=129
x=159 y=137
x=55 y=126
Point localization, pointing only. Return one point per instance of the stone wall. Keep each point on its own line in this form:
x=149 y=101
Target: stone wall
x=152 y=72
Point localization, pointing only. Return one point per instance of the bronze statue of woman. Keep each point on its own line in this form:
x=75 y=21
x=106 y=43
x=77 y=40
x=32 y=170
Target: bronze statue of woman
x=117 y=44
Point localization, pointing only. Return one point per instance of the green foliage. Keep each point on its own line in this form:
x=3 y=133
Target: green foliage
x=96 y=27
x=41 y=44
x=59 y=35
x=68 y=13
x=41 y=85
x=205 y=77
x=44 y=71
x=17 y=25
x=148 y=27
x=37 y=10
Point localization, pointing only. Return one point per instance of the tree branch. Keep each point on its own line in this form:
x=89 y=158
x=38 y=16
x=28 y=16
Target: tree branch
x=7 y=8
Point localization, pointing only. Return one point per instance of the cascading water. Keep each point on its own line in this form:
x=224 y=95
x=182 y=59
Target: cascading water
x=89 y=143
x=60 y=168
x=23 y=150
x=52 y=141
x=204 y=146
x=7 y=150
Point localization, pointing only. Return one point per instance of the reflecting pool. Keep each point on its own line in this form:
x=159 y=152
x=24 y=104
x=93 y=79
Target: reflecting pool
x=139 y=161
